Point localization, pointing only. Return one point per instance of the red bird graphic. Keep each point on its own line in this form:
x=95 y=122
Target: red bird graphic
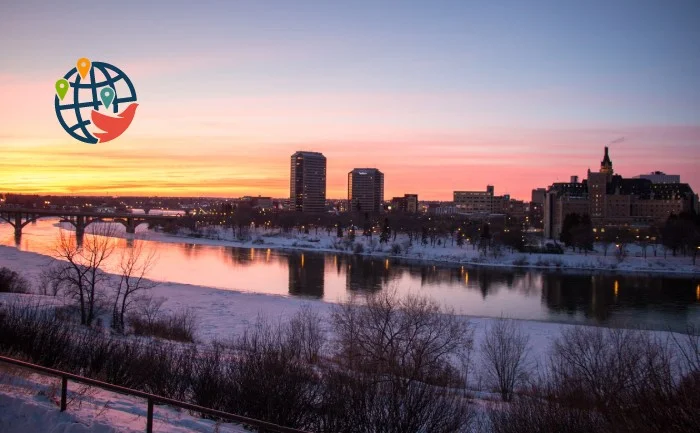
x=112 y=126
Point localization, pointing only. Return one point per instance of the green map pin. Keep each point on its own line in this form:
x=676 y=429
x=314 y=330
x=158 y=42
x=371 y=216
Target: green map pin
x=107 y=96
x=62 y=87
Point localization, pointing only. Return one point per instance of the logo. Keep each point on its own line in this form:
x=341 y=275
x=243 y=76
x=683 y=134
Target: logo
x=95 y=102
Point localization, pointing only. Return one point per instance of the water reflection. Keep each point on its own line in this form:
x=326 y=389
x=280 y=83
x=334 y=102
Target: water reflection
x=623 y=298
x=656 y=302
x=365 y=275
x=190 y=251
x=306 y=274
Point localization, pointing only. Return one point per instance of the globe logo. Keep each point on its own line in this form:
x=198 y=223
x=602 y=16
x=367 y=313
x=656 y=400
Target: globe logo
x=88 y=101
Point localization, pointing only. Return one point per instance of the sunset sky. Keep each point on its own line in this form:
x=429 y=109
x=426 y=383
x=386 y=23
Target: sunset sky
x=439 y=95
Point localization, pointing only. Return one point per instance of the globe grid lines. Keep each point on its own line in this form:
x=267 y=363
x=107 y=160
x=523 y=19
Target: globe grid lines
x=109 y=81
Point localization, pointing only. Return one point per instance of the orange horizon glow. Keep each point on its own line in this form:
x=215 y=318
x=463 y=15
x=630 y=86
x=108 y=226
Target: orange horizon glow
x=433 y=166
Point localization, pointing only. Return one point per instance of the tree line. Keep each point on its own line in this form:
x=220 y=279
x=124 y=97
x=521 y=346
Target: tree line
x=420 y=229
x=679 y=234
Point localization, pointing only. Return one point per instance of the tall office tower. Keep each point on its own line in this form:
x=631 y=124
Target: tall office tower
x=366 y=190
x=307 y=182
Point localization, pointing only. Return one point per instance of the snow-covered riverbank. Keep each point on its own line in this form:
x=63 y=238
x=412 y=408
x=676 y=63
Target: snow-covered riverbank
x=447 y=253
x=657 y=260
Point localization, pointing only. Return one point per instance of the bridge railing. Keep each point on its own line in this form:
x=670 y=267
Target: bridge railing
x=151 y=399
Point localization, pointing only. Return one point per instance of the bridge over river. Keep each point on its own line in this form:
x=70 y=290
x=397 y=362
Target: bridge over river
x=20 y=217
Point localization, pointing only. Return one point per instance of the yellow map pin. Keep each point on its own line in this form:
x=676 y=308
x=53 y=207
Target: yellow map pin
x=83 y=66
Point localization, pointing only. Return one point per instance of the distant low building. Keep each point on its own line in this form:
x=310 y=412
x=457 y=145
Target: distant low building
x=444 y=208
x=258 y=202
x=475 y=201
x=484 y=203
x=516 y=209
x=406 y=204
x=661 y=177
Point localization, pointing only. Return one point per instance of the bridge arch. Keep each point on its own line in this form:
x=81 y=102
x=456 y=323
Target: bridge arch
x=90 y=221
x=19 y=220
x=68 y=220
x=30 y=220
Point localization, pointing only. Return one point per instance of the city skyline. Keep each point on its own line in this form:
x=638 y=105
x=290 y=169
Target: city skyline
x=443 y=96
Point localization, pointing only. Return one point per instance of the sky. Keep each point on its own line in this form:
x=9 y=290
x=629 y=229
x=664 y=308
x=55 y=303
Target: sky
x=439 y=95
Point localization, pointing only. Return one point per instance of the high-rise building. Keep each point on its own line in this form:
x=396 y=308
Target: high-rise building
x=307 y=182
x=536 y=214
x=366 y=190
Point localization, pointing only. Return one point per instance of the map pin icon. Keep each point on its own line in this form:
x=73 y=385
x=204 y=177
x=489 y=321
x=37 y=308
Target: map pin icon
x=83 y=66
x=62 y=86
x=107 y=96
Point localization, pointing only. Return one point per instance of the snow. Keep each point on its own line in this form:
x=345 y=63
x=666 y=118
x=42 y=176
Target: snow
x=596 y=260
x=220 y=313
x=30 y=402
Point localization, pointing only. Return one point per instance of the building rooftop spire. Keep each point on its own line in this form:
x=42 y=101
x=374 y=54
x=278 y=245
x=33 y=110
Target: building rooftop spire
x=606 y=163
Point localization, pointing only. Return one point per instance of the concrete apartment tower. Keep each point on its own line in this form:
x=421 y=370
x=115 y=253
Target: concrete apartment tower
x=307 y=182
x=365 y=190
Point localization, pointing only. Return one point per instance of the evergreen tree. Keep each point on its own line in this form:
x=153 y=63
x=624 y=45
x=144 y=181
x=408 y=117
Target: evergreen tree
x=386 y=232
x=582 y=234
x=485 y=232
x=570 y=221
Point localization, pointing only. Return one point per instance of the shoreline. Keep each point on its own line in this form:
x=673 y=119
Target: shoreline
x=229 y=310
x=447 y=262
x=223 y=311
x=447 y=257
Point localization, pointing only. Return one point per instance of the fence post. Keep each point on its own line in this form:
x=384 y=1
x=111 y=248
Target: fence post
x=149 y=419
x=64 y=392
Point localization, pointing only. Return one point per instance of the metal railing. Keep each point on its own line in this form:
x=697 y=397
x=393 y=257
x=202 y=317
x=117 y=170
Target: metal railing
x=150 y=398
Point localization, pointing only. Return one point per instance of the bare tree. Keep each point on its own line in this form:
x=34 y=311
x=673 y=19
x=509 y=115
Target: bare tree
x=398 y=367
x=410 y=338
x=306 y=333
x=82 y=275
x=635 y=381
x=49 y=280
x=149 y=307
x=505 y=352
x=135 y=264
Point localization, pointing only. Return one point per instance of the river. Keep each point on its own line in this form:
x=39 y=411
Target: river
x=652 y=302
